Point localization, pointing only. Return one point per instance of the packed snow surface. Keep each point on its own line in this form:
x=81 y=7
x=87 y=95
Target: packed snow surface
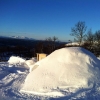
x=66 y=74
x=66 y=69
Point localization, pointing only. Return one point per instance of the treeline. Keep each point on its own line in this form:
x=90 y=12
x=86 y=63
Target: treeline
x=27 y=48
x=14 y=42
x=87 y=39
x=92 y=42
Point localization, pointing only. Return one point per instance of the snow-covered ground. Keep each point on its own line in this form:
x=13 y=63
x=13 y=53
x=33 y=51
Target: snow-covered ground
x=66 y=74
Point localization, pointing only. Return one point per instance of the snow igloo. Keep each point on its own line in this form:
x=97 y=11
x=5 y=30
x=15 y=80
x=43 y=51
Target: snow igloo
x=65 y=68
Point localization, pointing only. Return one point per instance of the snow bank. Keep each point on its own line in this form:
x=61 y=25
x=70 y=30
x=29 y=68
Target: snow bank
x=99 y=58
x=31 y=62
x=67 y=68
x=13 y=60
x=16 y=60
x=17 y=65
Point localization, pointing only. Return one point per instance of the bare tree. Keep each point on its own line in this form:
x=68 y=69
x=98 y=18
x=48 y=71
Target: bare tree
x=51 y=41
x=79 y=31
x=54 y=38
x=89 y=39
x=97 y=38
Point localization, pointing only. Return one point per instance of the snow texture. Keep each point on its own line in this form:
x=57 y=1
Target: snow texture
x=66 y=69
x=59 y=71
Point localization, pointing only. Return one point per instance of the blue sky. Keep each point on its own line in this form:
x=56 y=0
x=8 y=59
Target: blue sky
x=46 y=18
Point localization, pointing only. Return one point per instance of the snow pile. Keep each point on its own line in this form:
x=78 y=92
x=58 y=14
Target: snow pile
x=66 y=69
x=31 y=62
x=17 y=65
x=16 y=60
x=20 y=62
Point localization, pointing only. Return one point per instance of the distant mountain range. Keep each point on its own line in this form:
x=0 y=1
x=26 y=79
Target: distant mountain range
x=21 y=37
x=18 y=37
x=27 y=38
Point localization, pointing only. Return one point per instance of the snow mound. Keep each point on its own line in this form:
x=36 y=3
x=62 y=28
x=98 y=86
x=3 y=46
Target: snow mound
x=31 y=62
x=20 y=62
x=16 y=60
x=17 y=65
x=67 y=68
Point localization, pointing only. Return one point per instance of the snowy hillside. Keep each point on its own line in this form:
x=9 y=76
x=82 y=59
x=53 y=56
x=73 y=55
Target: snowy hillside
x=66 y=74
